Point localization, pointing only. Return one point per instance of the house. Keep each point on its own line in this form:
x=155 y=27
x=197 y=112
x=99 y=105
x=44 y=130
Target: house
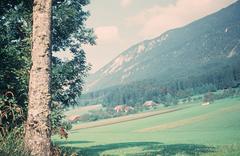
x=205 y=103
x=149 y=104
x=74 y=118
x=119 y=108
x=128 y=109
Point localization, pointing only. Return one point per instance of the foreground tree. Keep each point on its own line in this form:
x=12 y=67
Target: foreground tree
x=69 y=32
x=38 y=128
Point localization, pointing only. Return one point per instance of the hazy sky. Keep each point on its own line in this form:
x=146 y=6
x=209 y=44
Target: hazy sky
x=121 y=23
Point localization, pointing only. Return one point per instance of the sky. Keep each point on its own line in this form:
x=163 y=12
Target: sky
x=119 y=24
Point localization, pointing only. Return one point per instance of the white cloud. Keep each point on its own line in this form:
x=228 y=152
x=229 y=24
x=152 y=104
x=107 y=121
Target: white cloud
x=157 y=19
x=126 y=3
x=107 y=34
x=108 y=46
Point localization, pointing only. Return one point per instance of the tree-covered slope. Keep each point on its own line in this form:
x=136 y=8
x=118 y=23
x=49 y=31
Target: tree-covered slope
x=204 y=46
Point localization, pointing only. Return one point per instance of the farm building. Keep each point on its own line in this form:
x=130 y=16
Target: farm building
x=121 y=108
x=128 y=109
x=74 y=118
x=149 y=104
x=205 y=103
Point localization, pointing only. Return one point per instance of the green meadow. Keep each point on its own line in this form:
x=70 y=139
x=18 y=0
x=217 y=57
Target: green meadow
x=194 y=130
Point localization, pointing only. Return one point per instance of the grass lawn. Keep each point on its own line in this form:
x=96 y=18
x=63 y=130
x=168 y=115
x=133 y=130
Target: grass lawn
x=196 y=130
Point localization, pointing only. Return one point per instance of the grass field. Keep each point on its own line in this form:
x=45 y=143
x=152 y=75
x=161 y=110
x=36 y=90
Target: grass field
x=195 y=130
x=82 y=110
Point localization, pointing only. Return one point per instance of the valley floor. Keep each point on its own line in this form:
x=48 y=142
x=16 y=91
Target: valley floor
x=183 y=130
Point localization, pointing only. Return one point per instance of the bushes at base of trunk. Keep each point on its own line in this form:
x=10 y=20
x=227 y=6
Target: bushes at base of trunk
x=12 y=144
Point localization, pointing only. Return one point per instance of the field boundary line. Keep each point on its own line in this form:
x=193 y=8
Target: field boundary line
x=126 y=118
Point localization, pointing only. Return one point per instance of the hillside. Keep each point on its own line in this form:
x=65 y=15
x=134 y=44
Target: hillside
x=206 y=45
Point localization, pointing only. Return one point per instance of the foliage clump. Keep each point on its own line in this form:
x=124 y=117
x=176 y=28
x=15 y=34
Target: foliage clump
x=12 y=144
x=69 y=33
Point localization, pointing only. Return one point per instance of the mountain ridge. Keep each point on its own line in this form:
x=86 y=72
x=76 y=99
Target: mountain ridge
x=176 y=52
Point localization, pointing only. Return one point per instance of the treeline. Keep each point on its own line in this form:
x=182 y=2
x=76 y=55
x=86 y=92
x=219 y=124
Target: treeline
x=169 y=92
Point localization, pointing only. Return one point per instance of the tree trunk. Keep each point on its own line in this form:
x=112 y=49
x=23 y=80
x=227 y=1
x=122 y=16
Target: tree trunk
x=38 y=128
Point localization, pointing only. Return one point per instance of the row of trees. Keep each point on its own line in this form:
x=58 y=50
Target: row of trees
x=110 y=112
x=31 y=79
x=170 y=92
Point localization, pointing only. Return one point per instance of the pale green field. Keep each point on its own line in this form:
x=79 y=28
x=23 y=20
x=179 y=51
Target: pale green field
x=82 y=110
x=197 y=130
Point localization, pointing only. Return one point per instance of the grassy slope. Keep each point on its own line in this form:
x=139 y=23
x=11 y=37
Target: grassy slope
x=192 y=131
x=82 y=110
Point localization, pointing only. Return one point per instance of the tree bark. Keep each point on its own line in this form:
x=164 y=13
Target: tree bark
x=38 y=128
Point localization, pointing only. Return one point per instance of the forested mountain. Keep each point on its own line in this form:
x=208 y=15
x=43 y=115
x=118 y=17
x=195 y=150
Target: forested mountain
x=200 y=57
x=200 y=47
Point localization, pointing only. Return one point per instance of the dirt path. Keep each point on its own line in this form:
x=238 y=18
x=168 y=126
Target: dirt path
x=107 y=122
